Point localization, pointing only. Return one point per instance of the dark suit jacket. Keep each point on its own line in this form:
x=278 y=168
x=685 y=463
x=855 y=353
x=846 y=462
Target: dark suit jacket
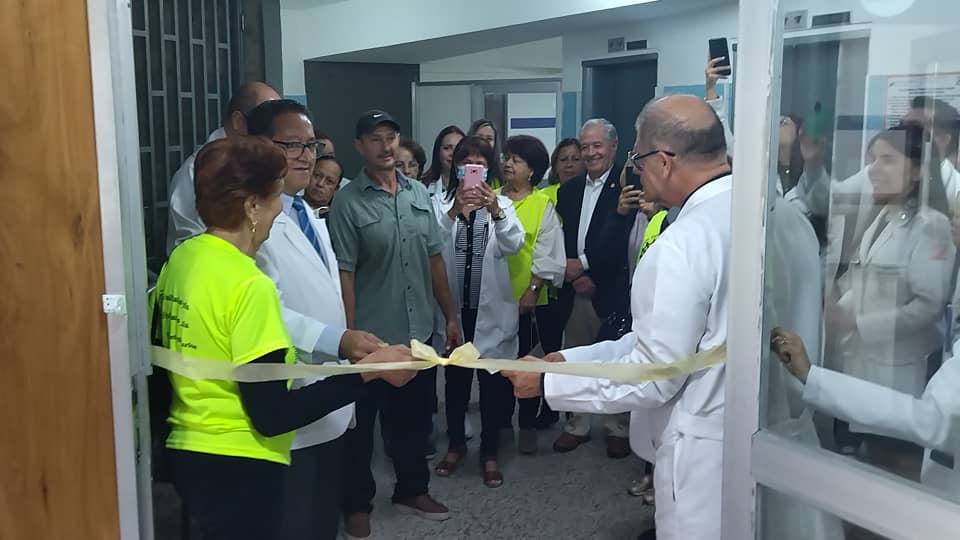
x=606 y=257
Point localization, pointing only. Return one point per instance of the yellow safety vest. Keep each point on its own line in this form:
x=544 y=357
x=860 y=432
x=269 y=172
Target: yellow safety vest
x=530 y=211
x=551 y=191
x=652 y=231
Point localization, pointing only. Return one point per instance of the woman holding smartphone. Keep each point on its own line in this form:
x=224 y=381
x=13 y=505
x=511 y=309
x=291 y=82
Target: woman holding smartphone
x=481 y=230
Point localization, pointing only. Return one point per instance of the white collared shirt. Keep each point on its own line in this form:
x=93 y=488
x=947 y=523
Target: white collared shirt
x=591 y=194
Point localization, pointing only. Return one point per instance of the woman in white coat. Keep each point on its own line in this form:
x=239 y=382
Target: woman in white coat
x=931 y=420
x=896 y=287
x=481 y=230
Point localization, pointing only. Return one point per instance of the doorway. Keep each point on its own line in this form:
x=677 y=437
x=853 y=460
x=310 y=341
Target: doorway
x=617 y=89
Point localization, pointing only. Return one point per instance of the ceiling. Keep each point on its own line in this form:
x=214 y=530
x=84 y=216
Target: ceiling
x=445 y=47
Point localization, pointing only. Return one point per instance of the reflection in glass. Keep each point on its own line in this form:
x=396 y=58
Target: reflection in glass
x=782 y=515
x=866 y=149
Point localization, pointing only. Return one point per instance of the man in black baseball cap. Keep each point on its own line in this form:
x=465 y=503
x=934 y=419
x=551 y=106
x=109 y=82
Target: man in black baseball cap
x=371 y=120
x=388 y=245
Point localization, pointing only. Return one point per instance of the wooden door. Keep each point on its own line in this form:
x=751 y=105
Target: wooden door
x=57 y=472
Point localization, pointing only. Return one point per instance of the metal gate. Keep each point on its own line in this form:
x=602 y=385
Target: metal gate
x=187 y=55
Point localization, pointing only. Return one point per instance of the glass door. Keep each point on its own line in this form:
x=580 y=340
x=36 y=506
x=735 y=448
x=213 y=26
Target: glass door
x=842 y=395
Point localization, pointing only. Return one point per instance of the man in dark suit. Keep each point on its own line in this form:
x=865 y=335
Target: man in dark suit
x=592 y=292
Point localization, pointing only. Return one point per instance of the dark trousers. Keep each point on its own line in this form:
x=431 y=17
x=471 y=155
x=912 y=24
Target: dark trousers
x=406 y=413
x=313 y=492
x=529 y=407
x=495 y=394
x=551 y=320
x=228 y=498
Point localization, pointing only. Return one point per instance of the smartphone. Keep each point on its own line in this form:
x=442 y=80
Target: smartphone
x=720 y=49
x=635 y=180
x=472 y=176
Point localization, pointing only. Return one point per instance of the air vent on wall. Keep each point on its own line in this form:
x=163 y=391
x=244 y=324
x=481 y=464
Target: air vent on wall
x=831 y=19
x=615 y=44
x=637 y=45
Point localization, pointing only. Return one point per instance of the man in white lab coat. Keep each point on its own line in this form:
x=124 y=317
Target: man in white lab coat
x=299 y=257
x=183 y=220
x=679 y=308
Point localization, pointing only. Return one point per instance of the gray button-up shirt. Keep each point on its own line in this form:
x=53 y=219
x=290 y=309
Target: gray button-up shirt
x=386 y=240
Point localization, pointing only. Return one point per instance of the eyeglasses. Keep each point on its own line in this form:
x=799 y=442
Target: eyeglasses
x=636 y=158
x=295 y=149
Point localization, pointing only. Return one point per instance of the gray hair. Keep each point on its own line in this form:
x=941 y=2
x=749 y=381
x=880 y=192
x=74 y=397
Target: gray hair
x=609 y=130
x=658 y=129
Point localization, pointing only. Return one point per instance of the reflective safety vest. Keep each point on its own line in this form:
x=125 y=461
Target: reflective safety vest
x=654 y=227
x=551 y=191
x=530 y=211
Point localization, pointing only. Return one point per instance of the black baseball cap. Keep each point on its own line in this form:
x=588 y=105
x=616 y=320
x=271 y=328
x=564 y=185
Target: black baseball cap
x=371 y=120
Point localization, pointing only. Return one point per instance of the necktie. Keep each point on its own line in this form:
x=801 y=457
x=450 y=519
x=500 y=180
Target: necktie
x=304 y=220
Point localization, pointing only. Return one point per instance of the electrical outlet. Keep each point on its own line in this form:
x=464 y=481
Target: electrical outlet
x=115 y=304
x=795 y=20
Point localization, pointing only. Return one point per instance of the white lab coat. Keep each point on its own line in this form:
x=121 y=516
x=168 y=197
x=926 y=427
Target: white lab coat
x=498 y=315
x=793 y=298
x=183 y=220
x=311 y=301
x=931 y=421
x=896 y=288
x=679 y=308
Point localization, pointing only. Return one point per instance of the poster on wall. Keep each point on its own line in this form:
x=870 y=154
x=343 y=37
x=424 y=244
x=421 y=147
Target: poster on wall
x=901 y=89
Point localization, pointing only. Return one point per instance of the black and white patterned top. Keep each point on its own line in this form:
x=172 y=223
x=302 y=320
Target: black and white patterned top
x=470 y=246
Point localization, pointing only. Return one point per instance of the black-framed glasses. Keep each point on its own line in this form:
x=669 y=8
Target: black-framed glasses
x=295 y=149
x=637 y=157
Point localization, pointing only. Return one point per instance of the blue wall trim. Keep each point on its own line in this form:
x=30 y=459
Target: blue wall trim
x=533 y=123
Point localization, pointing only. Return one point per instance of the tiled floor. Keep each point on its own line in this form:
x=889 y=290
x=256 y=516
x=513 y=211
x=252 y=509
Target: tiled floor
x=580 y=495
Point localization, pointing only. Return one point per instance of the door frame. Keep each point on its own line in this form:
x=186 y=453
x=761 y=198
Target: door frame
x=124 y=257
x=752 y=458
x=479 y=88
x=589 y=73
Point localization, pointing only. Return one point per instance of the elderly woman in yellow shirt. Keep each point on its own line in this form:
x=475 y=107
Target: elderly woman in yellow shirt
x=229 y=442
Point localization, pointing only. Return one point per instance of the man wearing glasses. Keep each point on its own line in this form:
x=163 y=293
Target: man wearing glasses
x=680 y=309
x=183 y=220
x=299 y=257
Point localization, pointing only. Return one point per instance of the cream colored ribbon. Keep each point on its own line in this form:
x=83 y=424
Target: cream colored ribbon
x=466 y=356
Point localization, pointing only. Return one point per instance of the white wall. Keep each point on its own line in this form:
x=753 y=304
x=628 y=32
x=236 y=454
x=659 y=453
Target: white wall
x=291 y=35
x=680 y=41
x=439 y=107
x=534 y=60
x=357 y=25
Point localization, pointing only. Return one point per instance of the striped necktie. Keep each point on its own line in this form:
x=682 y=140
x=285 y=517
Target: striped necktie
x=304 y=220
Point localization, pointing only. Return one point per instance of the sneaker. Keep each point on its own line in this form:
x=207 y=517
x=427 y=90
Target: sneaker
x=424 y=506
x=527 y=443
x=356 y=526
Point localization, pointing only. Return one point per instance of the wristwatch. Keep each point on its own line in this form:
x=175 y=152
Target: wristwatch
x=534 y=288
x=501 y=215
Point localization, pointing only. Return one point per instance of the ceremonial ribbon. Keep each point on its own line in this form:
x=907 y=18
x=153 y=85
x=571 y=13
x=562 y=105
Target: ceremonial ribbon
x=466 y=356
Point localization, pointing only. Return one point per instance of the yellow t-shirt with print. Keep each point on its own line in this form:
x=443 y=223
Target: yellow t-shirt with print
x=216 y=304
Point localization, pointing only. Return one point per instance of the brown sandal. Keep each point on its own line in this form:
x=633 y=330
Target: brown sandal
x=446 y=467
x=491 y=479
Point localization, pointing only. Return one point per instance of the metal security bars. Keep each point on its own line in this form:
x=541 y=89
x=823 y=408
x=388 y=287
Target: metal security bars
x=187 y=55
